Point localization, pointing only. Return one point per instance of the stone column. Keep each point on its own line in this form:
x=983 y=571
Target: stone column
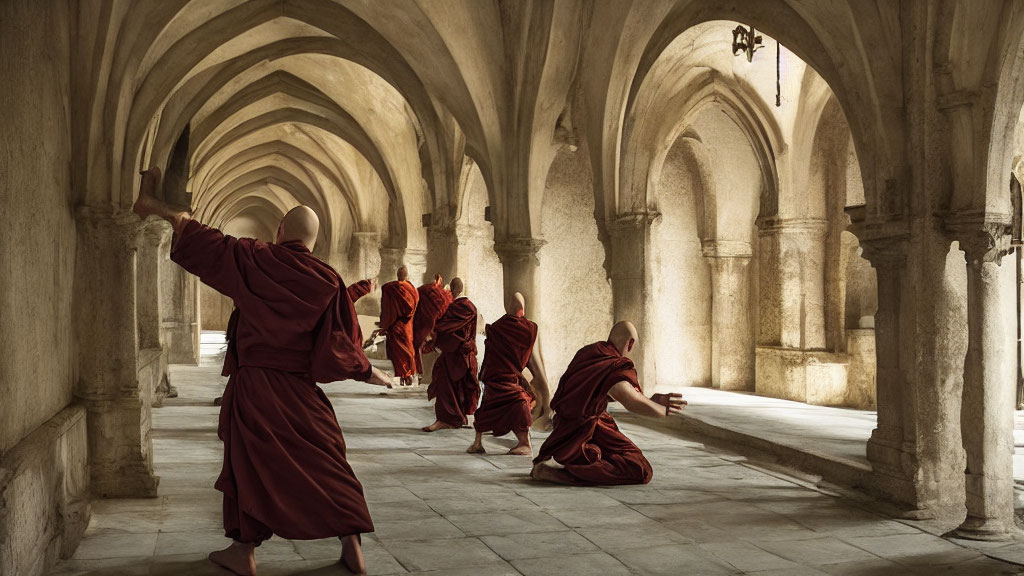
x=365 y=259
x=181 y=322
x=120 y=446
x=632 y=297
x=732 y=337
x=416 y=263
x=791 y=263
x=442 y=252
x=155 y=237
x=519 y=266
x=886 y=450
x=989 y=393
x=391 y=259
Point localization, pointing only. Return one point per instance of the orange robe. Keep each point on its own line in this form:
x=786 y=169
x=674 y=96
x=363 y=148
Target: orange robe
x=284 y=469
x=453 y=385
x=434 y=301
x=507 y=397
x=585 y=438
x=398 y=301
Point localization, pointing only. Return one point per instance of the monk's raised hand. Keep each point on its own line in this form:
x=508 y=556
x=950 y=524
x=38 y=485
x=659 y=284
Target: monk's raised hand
x=147 y=203
x=379 y=378
x=673 y=402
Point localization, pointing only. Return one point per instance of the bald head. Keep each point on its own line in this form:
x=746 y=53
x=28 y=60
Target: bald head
x=623 y=336
x=516 y=304
x=456 y=287
x=403 y=273
x=300 y=223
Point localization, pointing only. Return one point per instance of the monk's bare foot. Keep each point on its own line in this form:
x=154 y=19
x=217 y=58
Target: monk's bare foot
x=237 y=558
x=522 y=450
x=352 y=554
x=438 y=425
x=147 y=203
x=544 y=473
x=476 y=448
x=379 y=378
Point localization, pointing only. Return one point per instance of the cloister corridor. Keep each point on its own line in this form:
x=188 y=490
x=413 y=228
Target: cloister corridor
x=440 y=511
x=804 y=218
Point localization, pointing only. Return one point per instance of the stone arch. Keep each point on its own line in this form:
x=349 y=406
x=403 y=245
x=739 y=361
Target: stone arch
x=648 y=143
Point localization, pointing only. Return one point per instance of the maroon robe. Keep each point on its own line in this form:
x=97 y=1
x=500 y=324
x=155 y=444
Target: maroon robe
x=284 y=469
x=507 y=397
x=585 y=438
x=398 y=301
x=434 y=301
x=453 y=382
x=359 y=289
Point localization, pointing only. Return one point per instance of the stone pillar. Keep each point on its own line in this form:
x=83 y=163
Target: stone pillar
x=791 y=263
x=732 y=337
x=118 y=420
x=519 y=267
x=989 y=392
x=442 y=252
x=391 y=259
x=886 y=450
x=365 y=259
x=155 y=238
x=416 y=263
x=181 y=322
x=915 y=450
x=632 y=297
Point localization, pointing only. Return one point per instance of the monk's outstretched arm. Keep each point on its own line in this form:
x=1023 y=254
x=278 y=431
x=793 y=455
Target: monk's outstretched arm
x=658 y=406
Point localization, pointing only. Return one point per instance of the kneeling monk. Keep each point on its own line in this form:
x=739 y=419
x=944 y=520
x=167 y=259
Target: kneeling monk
x=585 y=441
x=506 y=406
x=453 y=383
x=398 y=302
x=284 y=468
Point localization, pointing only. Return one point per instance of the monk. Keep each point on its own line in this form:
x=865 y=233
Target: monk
x=508 y=395
x=284 y=469
x=398 y=301
x=361 y=288
x=453 y=384
x=586 y=445
x=434 y=301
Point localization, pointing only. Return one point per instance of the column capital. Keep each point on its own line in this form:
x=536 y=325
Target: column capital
x=121 y=227
x=983 y=236
x=726 y=249
x=886 y=251
x=156 y=230
x=513 y=250
x=632 y=221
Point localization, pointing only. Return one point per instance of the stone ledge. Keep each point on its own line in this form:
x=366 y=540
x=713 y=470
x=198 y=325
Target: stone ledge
x=44 y=491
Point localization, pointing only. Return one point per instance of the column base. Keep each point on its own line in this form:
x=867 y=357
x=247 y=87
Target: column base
x=127 y=481
x=985 y=530
x=890 y=462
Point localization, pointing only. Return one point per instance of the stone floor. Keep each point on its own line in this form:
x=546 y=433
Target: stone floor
x=438 y=510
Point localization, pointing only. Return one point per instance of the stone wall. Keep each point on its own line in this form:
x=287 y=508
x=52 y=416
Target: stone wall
x=576 y=306
x=43 y=475
x=681 y=277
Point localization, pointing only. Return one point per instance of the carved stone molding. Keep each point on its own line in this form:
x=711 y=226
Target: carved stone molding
x=632 y=222
x=771 y=226
x=726 y=249
x=886 y=251
x=519 y=250
x=983 y=236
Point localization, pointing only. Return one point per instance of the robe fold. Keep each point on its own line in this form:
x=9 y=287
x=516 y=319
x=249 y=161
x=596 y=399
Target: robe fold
x=398 y=301
x=284 y=469
x=585 y=438
x=359 y=289
x=454 y=386
x=434 y=301
x=507 y=397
